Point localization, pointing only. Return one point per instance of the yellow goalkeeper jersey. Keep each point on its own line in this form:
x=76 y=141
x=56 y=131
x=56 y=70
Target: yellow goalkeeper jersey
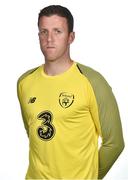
x=64 y=116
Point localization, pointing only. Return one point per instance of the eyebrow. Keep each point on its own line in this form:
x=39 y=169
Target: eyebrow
x=43 y=28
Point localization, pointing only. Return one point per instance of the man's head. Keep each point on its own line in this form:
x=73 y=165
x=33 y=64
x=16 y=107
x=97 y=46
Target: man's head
x=60 y=11
x=55 y=25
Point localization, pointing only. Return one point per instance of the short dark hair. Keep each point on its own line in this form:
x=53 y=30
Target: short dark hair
x=60 y=11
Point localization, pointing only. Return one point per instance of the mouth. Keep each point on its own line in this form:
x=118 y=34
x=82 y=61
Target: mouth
x=50 y=47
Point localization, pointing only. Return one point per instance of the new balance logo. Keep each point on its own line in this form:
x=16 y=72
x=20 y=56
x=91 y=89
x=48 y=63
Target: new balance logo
x=32 y=100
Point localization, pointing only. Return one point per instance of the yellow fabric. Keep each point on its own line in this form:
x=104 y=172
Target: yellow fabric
x=64 y=106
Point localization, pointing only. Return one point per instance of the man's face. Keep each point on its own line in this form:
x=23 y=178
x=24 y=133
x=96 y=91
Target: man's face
x=54 y=37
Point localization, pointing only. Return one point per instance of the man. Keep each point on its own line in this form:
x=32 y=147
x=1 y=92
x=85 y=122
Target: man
x=66 y=106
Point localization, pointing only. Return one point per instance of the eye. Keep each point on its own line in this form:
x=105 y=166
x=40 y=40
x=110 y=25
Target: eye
x=43 y=32
x=57 y=31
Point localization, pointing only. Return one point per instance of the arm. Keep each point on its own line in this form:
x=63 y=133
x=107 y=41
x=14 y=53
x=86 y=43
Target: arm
x=112 y=137
x=109 y=120
x=21 y=106
x=20 y=97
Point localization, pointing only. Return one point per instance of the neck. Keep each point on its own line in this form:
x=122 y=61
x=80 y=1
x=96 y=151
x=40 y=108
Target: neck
x=53 y=68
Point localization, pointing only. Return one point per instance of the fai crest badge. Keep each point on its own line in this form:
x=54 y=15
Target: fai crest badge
x=66 y=99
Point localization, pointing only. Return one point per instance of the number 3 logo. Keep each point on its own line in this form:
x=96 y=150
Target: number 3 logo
x=46 y=131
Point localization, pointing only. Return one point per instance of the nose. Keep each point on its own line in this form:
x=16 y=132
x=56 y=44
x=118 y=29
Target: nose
x=50 y=37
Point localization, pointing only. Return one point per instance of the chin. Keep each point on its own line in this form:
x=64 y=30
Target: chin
x=50 y=58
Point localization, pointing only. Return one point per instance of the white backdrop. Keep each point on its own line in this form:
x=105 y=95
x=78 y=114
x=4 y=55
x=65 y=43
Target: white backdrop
x=101 y=42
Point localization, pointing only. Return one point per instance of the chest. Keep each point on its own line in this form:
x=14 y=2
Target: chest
x=62 y=98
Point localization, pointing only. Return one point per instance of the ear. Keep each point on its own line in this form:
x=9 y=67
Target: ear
x=71 y=37
x=38 y=35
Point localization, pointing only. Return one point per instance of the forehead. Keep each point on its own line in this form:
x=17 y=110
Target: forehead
x=51 y=21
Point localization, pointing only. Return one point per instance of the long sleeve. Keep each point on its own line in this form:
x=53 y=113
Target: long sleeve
x=20 y=97
x=112 y=137
x=109 y=120
x=19 y=94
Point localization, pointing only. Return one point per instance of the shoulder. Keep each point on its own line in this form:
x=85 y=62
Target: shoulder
x=95 y=78
x=26 y=74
